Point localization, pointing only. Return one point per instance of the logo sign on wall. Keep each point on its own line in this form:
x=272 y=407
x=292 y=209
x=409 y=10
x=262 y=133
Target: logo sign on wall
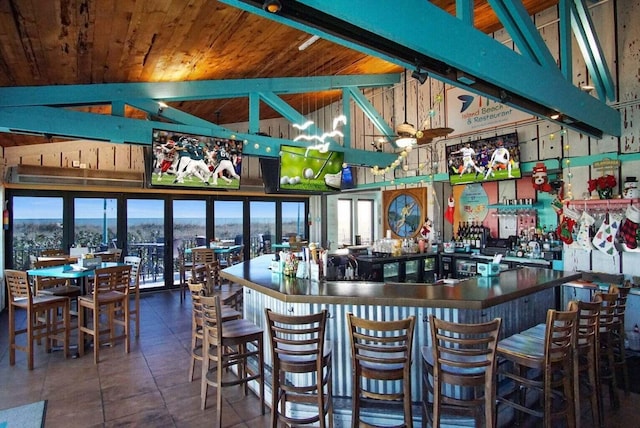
x=467 y=112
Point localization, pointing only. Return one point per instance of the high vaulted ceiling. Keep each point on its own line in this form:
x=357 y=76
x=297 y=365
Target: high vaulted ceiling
x=58 y=42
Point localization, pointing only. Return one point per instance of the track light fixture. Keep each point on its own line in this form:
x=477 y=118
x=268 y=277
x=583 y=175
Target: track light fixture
x=272 y=6
x=419 y=75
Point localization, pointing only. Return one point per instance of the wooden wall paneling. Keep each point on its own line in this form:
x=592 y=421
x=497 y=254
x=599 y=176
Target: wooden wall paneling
x=576 y=259
x=528 y=137
x=580 y=176
x=628 y=169
x=628 y=59
x=603 y=18
x=630 y=265
x=26 y=155
x=601 y=262
x=579 y=144
x=550 y=143
x=547 y=24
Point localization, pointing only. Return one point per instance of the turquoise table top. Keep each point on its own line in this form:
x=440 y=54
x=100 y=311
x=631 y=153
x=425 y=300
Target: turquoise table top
x=67 y=271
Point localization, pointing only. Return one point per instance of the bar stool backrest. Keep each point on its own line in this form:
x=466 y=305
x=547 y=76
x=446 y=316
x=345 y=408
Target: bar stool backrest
x=560 y=334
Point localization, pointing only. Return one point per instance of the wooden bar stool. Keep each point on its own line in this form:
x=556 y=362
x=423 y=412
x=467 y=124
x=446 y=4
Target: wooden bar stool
x=52 y=325
x=109 y=299
x=618 y=332
x=608 y=343
x=553 y=358
x=228 y=344
x=302 y=367
x=381 y=352
x=462 y=357
x=228 y=313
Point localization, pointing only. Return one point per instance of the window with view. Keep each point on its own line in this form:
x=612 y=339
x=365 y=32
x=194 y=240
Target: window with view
x=345 y=214
x=37 y=225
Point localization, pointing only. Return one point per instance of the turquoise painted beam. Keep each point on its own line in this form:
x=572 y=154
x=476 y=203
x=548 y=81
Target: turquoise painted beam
x=254 y=113
x=55 y=121
x=376 y=118
x=420 y=30
x=519 y=25
x=566 y=56
x=464 y=11
x=182 y=91
x=589 y=44
x=174 y=115
x=346 y=110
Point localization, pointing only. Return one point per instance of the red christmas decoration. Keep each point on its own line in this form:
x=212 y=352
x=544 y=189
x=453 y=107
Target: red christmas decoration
x=540 y=179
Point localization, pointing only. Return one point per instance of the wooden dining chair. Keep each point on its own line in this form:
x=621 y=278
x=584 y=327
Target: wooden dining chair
x=608 y=344
x=109 y=298
x=134 y=289
x=53 y=326
x=381 y=351
x=461 y=358
x=51 y=252
x=618 y=332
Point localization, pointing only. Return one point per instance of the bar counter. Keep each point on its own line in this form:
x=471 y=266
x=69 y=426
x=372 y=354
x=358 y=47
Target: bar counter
x=471 y=293
x=520 y=297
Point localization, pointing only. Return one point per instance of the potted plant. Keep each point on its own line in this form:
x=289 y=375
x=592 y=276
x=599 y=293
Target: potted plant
x=603 y=185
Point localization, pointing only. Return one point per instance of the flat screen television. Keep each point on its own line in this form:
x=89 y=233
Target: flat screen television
x=489 y=159
x=310 y=169
x=177 y=159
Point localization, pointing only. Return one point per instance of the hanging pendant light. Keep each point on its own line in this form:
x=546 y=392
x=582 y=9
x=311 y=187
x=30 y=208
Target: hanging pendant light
x=406 y=131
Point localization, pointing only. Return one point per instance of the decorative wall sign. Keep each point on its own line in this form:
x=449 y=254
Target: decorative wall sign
x=404 y=211
x=468 y=112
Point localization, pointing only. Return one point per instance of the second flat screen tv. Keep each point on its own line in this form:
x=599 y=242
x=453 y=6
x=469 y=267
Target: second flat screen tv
x=489 y=159
x=195 y=161
x=310 y=170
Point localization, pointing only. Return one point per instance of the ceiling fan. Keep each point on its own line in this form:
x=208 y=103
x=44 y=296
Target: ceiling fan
x=407 y=134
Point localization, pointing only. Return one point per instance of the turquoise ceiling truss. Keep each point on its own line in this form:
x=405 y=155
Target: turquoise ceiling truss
x=42 y=110
x=416 y=33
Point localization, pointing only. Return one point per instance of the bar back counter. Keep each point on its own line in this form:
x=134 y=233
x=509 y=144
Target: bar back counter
x=520 y=296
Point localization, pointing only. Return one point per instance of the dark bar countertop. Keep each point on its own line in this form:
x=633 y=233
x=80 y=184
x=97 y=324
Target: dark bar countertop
x=470 y=293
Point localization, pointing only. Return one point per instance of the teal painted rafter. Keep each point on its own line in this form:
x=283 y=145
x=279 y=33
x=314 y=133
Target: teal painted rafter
x=422 y=33
x=293 y=116
x=587 y=39
x=182 y=91
x=566 y=57
x=464 y=11
x=519 y=25
x=174 y=115
x=371 y=113
x=55 y=121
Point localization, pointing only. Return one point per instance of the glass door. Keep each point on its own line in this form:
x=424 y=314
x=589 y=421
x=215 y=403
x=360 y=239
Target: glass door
x=145 y=239
x=263 y=227
x=189 y=226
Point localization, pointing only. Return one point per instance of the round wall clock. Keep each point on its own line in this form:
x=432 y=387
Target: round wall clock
x=404 y=215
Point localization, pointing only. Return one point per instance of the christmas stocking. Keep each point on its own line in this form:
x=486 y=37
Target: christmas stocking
x=582 y=239
x=568 y=222
x=629 y=228
x=605 y=236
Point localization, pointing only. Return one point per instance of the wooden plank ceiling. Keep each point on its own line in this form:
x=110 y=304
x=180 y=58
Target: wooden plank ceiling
x=58 y=42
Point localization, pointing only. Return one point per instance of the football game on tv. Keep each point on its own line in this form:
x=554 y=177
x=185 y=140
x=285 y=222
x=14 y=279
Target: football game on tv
x=187 y=160
x=310 y=170
x=489 y=159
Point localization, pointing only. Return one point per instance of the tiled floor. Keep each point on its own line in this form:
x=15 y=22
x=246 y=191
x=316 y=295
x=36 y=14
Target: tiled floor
x=149 y=386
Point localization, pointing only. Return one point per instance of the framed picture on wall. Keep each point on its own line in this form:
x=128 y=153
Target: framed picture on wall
x=404 y=211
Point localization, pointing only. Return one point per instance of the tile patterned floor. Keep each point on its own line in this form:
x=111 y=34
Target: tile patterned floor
x=149 y=386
